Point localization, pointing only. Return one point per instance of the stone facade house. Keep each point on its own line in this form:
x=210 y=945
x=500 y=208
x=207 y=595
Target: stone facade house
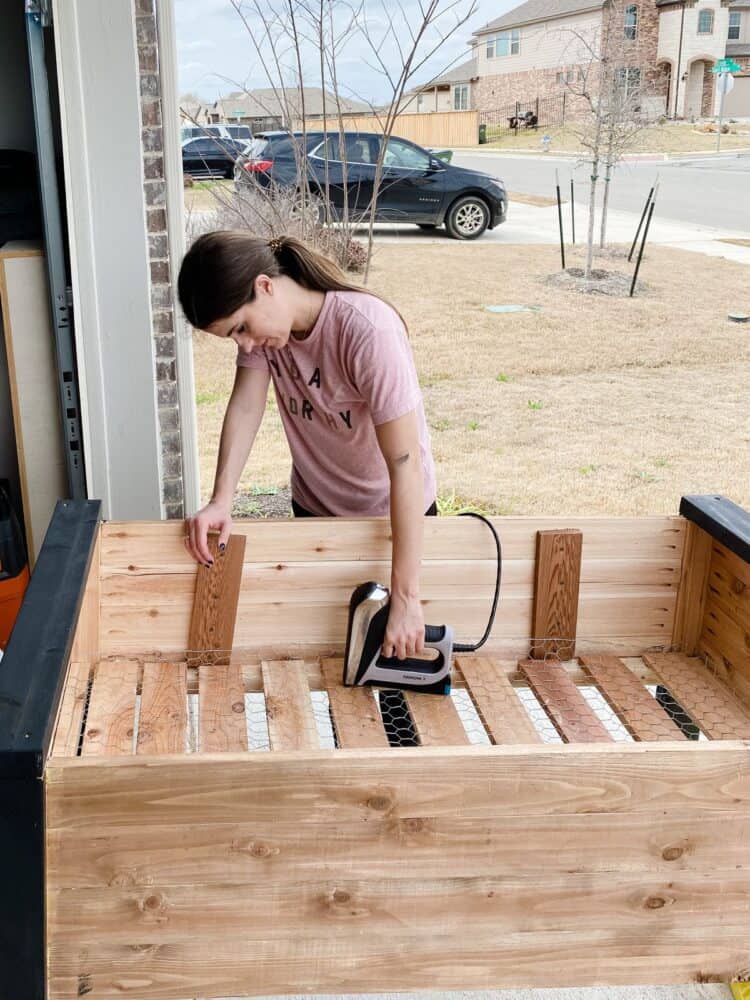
x=665 y=47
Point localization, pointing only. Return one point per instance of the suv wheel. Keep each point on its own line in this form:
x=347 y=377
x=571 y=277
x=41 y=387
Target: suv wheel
x=468 y=218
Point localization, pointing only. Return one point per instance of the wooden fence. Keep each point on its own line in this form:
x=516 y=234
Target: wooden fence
x=439 y=128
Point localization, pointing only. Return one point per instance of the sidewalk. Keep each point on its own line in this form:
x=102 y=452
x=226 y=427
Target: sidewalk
x=528 y=224
x=566 y=155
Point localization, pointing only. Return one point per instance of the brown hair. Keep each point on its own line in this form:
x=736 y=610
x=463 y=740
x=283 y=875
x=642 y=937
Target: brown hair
x=219 y=270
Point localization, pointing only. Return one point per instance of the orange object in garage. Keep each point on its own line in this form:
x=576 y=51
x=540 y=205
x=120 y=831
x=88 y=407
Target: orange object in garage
x=14 y=568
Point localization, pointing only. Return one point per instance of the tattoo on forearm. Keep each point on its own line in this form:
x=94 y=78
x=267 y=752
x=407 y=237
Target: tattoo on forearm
x=402 y=459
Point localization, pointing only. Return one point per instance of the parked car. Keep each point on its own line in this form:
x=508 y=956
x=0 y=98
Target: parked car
x=210 y=157
x=242 y=133
x=204 y=132
x=417 y=187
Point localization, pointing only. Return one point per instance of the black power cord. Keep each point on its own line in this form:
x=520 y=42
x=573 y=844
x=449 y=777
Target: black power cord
x=465 y=647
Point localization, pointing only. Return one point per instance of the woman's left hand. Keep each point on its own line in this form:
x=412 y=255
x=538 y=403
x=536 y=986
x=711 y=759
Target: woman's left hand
x=404 y=633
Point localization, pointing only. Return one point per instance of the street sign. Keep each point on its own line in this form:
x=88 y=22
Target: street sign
x=726 y=66
x=725 y=83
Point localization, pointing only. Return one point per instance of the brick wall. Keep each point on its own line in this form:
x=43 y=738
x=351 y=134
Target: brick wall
x=164 y=327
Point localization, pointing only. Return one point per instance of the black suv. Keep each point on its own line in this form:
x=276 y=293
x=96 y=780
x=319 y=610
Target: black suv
x=416 y=186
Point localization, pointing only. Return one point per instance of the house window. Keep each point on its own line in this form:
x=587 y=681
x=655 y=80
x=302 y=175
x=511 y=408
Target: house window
x=628 y=80
x=566 y=77
x=420 y=102
x=507 y=43
x=631 y=21
x=461 y=97
x=706 y=22
x=735 y=19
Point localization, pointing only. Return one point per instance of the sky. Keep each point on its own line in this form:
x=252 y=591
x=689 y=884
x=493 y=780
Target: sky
x=216 y=53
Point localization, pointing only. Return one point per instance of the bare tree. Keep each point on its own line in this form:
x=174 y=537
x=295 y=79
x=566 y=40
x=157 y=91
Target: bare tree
x=612 y=87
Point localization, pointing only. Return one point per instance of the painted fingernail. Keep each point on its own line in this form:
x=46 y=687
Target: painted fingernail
x=222 y=547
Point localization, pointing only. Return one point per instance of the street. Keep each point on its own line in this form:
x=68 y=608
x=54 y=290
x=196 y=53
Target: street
x=710 y=191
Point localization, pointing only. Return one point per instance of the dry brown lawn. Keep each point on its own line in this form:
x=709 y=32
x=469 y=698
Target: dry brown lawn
x=593 y=405
x=668 y=138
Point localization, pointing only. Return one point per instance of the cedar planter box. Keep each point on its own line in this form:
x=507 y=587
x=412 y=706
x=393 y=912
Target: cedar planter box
x=173 y=828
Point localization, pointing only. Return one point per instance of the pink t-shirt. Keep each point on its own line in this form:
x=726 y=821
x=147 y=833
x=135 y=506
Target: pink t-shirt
x=353 y=372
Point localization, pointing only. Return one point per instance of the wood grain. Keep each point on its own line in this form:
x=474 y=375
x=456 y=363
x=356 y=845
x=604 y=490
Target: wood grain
x=223 y=724
x=436 y=720
x=217 y=590
x=691 y=596
x=569 y=711
x=356 y=719
x=70 y=720
x=162 y=725
x=556 y=585
x=711 y=705
x=291 y=723
x=641 y=714
x=110 y=723
x=498 y=705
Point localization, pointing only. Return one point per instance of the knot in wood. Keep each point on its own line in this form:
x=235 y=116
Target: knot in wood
x=380 y=803
x=672 y=853
x=414 y=825
x=339 y=896
x=238 y=707
x=655 y=902
x=153 y=903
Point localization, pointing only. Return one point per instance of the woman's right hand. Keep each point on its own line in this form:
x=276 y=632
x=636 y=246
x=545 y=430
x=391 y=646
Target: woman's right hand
x=215 y=516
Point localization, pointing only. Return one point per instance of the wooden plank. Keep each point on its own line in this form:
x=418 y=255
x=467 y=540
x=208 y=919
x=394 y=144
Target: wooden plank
x=556 y=586
x=86 y=640
x=157 y=545
x=34 y=392
x=416 y=845
x=604 y=804
x=372 y=963
x=691 y=596
x=569 y=711
x=498 y=705
x=710 y=704
x=641 y=714
x=70 y=720
x=319 y=628
x=726 y=644
x=223 y=724
x=162 y=724
x=356 y=720
x=217 y=591
x=436 y=720
x=291 y=723
x=110 y=723
x=284 y=911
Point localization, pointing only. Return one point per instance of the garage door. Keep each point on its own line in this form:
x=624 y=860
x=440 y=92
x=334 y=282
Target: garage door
x=737 y=103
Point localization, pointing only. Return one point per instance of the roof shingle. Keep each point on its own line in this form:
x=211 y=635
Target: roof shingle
x=539 y=10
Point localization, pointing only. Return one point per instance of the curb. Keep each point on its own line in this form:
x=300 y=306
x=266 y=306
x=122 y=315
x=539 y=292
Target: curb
x=705 y=154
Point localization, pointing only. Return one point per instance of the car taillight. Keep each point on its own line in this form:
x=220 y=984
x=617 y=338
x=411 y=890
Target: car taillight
x=258 y=166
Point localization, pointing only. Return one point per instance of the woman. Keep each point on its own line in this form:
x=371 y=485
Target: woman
x=347 y=391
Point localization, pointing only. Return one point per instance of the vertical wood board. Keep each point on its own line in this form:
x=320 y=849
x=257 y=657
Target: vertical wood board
x=556 y=585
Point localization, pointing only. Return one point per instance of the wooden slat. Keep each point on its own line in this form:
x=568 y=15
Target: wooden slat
x=70 y=719
x=691 y=596
x=356 y=719
x=642 y=715
x=86 y=638
x=162 y=724
x=556 y=586
x=223 y=725
x=291 y=723
x=571 y=714
x=498 y=705
x=110 y=722
x=706 y=700
x=217 y=592
x=157 y=545
x=436 y=720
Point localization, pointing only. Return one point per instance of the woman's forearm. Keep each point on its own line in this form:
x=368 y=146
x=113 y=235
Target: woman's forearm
x=407 y=523
x=241 y=422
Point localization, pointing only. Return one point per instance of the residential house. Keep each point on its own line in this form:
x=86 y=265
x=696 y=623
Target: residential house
x=271 y=108
x=451 y=91
x=667 y=48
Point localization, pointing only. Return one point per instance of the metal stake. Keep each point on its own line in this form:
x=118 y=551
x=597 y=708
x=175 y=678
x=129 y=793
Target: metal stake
x=573 y=210
x=643 y=242
x=643 y=217
x=560 y=218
